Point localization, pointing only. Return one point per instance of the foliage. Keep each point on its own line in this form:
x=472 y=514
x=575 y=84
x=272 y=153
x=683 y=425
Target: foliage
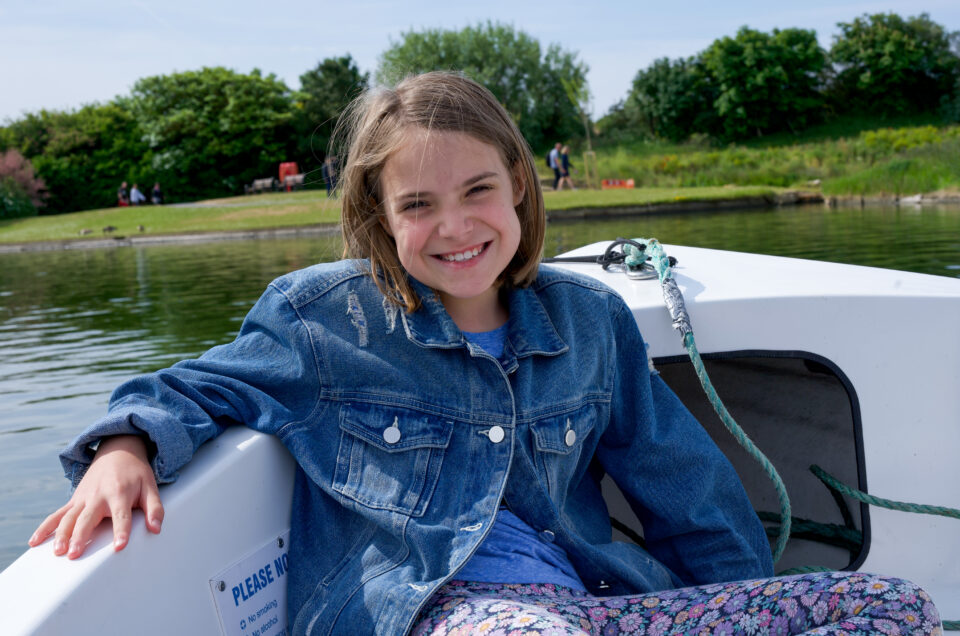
x=766 y=82
x=831 y=161
x=324 y=93
x=950 y=103
x=508 y=62
x=927 y=168
x=212 y=131
x=21 y=193
x=82 y=155
x=891 y=64
x=671 y=100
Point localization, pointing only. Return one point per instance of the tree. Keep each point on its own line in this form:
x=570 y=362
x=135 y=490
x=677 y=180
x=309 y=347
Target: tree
x=213 y=130
x=671 y=100
x=21 y=193
x=82 y=155
x=509 y=63
x=890 y=65
x=766 y=82
x=324 y=92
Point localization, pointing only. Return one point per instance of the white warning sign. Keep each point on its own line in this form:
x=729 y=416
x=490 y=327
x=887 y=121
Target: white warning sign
x=251 y=595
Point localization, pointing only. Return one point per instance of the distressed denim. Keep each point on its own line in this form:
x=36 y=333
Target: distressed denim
x=407 y=438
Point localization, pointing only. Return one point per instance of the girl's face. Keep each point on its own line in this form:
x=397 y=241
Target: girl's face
x=451 y=208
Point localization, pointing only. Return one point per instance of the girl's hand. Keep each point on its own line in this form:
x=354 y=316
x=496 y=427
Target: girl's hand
x=119 y=480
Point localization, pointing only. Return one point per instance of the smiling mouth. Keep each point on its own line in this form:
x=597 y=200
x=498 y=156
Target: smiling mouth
x=465 y=255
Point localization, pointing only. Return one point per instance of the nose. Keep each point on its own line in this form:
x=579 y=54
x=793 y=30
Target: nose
x=455 y=222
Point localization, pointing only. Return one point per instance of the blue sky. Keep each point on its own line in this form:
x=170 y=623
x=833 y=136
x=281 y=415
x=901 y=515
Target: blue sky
x=59 y=54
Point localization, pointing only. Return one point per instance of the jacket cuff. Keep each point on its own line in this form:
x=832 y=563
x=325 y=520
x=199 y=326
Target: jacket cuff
x=168 y=446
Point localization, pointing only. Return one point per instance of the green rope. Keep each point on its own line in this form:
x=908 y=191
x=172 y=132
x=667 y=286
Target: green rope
x=636 y=258
x=833 y=534
x=859 y=495
x=903 y=506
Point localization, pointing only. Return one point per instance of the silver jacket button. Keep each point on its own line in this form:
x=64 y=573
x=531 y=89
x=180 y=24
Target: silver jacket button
x=496 y=434
x=547 y=536
x=391 y=435
x=570 y=438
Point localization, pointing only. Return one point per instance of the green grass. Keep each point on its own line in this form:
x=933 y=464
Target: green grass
x=298 y=209
x=795 y=161
x=576 y=199
x=237 y=213
x=924 y=169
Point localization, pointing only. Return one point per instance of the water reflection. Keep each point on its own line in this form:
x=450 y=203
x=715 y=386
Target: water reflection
x=74 y=324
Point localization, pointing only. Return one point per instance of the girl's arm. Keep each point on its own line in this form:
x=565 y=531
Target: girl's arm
x=119 y=480
x=266 y=378
x=696 y=516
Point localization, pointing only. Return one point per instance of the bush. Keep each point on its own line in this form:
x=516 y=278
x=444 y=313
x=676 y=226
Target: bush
x=21 y=193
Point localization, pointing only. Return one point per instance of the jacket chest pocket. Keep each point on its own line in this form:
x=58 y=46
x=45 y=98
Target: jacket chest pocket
x=560 y=444
x=389 y=458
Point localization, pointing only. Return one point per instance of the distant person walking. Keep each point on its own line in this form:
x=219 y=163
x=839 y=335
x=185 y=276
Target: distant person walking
x=329 y=173
x=554 y=158
x=156 y=195
x=123 y=198
x=565 y=169
x=136 y=197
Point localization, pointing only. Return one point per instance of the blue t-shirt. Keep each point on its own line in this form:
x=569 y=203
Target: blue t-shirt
x=490 y=341
x=514 y=552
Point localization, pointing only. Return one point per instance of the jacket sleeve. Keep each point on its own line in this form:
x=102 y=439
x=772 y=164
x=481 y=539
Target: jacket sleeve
x=697 y=519
x=266 y=378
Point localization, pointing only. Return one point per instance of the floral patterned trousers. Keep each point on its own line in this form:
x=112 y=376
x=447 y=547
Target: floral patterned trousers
x=822 y=603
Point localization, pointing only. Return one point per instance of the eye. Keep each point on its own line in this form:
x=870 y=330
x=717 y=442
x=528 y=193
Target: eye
x=412 y=205
x=483 y=187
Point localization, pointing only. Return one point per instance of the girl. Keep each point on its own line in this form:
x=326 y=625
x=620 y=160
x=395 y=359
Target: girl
x=452 y=407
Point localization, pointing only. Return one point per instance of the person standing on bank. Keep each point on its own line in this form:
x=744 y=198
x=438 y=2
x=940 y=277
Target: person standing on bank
x=137 y=197
x=329 y=173
x=565 y=165
x=554 y=162
x=123 y=198
x=452 y=405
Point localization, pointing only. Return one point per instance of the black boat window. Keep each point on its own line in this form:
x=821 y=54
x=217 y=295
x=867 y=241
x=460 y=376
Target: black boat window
x=799 y=409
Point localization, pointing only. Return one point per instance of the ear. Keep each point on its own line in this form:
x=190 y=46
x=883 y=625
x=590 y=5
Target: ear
x=519 y=185
x=385 y=224
x=381 y=218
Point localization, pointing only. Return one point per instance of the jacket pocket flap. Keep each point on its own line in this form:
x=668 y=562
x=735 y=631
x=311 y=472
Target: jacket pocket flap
x=410 y=429
x=563 y=433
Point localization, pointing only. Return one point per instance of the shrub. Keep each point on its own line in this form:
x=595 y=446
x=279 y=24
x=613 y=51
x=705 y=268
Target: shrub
x=21 y=193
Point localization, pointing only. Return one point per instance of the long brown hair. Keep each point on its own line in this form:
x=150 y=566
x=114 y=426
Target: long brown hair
x=374 y=126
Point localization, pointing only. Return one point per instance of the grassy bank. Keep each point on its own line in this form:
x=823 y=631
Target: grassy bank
x=877 y=162
x=298 y=209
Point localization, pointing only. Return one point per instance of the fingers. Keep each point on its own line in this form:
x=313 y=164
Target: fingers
x=65 y=530
x=47 y=526
x=152 y=508
x=122 y=517
x=86 y=521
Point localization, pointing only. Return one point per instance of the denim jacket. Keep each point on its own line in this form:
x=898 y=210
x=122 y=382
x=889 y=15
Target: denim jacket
x=408 y=437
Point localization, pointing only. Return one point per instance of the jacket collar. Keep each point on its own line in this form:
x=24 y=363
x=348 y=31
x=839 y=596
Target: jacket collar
x=531 y=330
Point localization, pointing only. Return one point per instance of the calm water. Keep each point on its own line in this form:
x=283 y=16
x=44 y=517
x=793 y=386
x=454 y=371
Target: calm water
x=73 y=325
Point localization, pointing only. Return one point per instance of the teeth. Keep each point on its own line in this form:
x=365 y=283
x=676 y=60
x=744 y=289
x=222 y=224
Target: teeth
x=462 y=256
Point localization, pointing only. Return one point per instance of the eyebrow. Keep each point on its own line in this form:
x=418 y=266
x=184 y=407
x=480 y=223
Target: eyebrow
x=469 y=182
